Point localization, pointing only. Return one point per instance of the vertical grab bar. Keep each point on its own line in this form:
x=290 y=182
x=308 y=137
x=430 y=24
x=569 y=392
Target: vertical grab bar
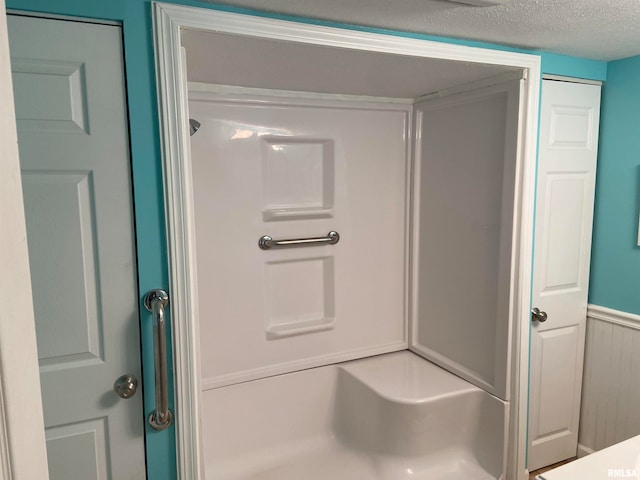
x=156 y=301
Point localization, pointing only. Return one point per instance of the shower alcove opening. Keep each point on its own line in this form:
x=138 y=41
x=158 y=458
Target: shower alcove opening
x=393 y=349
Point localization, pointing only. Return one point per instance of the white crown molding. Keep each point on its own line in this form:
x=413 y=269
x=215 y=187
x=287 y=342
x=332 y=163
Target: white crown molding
x=261 y=27
x=169 y=20
x=617 y=317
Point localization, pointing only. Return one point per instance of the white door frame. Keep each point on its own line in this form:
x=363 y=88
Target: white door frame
x=23 y=453
x=172 y=95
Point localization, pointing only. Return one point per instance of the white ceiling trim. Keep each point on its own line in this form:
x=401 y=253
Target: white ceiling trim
x=260 y=27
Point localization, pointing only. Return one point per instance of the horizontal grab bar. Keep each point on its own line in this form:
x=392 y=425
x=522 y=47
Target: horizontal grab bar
x=267 y=243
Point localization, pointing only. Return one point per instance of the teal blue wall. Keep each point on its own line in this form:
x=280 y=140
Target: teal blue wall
x=555 y=64
x=615 y=262
x=135 y=17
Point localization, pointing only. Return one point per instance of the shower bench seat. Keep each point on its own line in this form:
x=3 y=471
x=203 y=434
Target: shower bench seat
x=388 y=417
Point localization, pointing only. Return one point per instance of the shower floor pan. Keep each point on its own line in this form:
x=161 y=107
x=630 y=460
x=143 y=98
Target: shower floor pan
x=389 y=417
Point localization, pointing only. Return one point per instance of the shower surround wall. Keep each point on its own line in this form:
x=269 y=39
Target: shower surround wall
x=275 y=325
x=292 y=168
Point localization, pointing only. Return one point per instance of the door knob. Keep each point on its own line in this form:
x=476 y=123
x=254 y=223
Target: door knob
x=537 y=314
x=126 y=385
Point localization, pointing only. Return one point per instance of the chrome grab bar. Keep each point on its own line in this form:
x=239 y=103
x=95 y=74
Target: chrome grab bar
x=156 y=301
x=266 y=242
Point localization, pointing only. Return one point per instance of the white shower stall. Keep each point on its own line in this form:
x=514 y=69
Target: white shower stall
x=347 y=256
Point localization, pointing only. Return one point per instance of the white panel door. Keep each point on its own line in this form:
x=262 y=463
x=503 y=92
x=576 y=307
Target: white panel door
x=72 y=132
x=566 y=183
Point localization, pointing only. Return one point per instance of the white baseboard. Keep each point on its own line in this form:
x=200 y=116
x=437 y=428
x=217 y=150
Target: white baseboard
x=583 y=451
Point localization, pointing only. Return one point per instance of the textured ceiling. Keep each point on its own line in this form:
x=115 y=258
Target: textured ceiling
x=597 y=29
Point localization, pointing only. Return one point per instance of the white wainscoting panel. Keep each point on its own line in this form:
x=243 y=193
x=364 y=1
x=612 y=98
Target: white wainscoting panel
x=610 y=390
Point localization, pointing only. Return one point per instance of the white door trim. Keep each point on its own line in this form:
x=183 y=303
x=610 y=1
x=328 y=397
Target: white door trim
x=22 y=443
x=562 y=78
x=172 y=97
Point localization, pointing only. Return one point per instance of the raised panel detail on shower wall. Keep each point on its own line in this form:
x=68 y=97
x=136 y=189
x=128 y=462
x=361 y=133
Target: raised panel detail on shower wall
x=297 y=169
x=300 y=296
x=298 y=178
x=562 y=242
x=61 y=233
x=463 y=236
